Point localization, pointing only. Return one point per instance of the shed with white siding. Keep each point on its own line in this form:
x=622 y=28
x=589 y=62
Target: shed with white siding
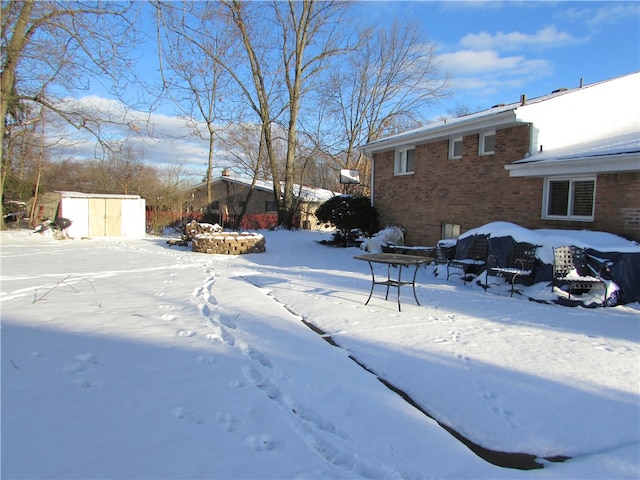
x=103 y=215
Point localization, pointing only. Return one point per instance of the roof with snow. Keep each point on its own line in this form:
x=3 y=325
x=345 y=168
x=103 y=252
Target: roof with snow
x=66 y=194
x=589 y=129
x=309 y=194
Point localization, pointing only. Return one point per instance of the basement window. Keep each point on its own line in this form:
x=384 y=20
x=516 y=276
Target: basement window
x=569 y=198
x=450 y=230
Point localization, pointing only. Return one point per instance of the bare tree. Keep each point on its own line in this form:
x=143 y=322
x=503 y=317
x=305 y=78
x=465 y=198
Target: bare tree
x=388 y=81
x=193 y=39
x=165 y=191
x=306 y=37
x=126 y=165
x=53 y=47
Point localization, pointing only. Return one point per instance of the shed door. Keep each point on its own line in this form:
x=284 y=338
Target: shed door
x=105 y=217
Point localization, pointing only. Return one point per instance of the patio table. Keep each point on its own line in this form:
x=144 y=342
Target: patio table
x=394 y=260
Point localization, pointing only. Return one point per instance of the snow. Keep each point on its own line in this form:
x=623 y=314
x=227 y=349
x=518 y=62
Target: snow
x=546 y=239
x=124 y=358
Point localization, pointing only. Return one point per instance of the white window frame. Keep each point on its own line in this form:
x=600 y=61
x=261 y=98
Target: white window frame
x=572 y=181
x=400 y=164
x=483 y=135
x=449 y=231
x=452 y=143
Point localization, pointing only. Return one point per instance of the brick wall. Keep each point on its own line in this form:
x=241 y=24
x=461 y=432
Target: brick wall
x=476 y=189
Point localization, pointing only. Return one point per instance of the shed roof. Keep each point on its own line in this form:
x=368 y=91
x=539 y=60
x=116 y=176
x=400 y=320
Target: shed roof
x=65 y=194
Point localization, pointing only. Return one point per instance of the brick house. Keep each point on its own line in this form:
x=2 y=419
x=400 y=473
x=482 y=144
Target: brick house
x=568 y=160
x=229 y=193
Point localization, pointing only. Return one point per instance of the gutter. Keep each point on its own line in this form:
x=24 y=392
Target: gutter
x=444 y=130
x=607 y=163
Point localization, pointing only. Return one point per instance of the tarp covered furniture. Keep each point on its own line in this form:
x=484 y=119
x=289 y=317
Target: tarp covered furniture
x=571 y=270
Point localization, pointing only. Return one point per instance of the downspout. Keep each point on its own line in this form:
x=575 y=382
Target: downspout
x=373 y=169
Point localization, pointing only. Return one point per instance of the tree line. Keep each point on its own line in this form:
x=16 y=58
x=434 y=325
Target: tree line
x=291 y=88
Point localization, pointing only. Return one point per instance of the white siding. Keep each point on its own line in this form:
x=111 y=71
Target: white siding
x=76 y=210
x=133 y=218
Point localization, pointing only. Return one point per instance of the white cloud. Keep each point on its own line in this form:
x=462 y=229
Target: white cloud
x=609 y=13
x=544 y=38
x=470 y=62
x=486 y=73
x=166 y=140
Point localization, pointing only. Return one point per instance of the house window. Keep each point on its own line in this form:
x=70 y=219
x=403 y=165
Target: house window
x=270 y=206
x=487 y=143
x=450 y=230
x=570 y=198
x=405 y=161
x=455 y=148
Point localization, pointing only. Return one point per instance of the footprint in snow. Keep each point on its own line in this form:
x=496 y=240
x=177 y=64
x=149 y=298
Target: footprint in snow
x=88 y=358
x=75 y=367
x=85 y=383
x=214 y=337
x=227 y=322
x=185 y=414
x=228 y=420
x=262 y=442
x=205 y=311
x=82 y=363
x=168 y=317
x=169 y=307
x=186 y=333
x=205 y=360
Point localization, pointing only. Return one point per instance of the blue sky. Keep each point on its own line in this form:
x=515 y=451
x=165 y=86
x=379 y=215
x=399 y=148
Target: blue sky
x=493 y=52
x=496 y=51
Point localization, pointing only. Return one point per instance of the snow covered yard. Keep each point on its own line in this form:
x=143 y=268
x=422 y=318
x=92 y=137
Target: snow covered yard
x=130 y=359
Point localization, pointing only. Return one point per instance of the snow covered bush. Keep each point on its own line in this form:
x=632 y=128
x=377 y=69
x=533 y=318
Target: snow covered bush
x=391 y=235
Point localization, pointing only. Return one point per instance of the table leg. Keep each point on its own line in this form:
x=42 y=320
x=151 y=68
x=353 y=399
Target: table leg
x=413 y=284
x=386 y=297
x=399 y=283
x=373 y=282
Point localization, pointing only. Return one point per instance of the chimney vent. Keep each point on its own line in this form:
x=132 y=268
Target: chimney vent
x=226 y=172
x=523 y=99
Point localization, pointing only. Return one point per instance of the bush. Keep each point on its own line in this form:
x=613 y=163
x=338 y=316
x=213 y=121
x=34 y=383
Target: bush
x=349 y=213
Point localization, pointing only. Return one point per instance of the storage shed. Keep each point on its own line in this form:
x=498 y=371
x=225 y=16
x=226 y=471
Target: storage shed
x=103 y=215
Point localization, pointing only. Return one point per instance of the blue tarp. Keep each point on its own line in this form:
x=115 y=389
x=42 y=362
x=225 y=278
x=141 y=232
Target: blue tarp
x=624 y=268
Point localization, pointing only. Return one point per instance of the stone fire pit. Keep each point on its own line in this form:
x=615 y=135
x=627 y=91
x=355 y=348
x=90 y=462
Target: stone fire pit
x=228 y=243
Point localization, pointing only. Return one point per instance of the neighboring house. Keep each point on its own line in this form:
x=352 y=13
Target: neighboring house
x=568 y=160
x=96 y=215
x=229 y=193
